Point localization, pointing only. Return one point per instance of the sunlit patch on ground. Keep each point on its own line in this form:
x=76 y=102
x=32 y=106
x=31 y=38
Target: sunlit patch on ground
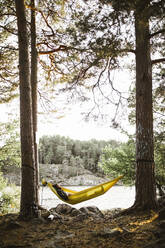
x=138 y=223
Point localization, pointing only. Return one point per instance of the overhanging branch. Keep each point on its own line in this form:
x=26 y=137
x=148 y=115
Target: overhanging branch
x=127 y=51
x=158 y=32
x=156 y=61
x=60 y=48
x=9 y=30
x=43 y=16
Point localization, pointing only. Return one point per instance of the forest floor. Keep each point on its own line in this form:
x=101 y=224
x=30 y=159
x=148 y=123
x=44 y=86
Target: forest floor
x=141 y=230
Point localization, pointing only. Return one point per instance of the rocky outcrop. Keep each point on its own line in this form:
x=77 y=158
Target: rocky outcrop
x=65 y=212
x=63 y=174
x=69 y=175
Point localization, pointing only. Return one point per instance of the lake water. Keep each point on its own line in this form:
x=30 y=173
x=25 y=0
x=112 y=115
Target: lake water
x=116 y=197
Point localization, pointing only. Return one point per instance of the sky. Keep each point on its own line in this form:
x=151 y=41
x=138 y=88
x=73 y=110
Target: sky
x=72 y=124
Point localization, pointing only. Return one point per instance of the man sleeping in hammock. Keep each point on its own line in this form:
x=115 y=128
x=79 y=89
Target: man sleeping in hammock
x=60 y=192
x=75 y=197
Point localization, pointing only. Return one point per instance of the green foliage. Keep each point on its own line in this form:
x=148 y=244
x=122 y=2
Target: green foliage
x=9 y=156
x=9 y=197
x=62 y=150
x=9 y=144
x=160 y=157
x=3 y=182
x=119 y=161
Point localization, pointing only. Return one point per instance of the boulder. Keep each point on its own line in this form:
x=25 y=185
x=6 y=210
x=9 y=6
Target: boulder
x=92 y=211
x=65 y=210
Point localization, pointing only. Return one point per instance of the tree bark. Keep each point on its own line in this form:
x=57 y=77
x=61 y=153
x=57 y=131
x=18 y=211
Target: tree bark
x=34 y=58
x=28 y=172
x=145 y=182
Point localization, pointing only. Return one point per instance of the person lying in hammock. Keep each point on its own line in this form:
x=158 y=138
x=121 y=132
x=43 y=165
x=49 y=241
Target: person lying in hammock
x=60 y=192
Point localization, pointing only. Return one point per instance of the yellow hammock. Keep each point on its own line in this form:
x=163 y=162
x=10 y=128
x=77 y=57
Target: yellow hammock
x=75 y=197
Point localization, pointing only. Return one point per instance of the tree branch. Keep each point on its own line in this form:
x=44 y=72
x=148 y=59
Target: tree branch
x=156 y=61
x=60 y=48
x=43 y=16
x=8 y=48
x=12 y=31
x=158 y=32
x=127 y=51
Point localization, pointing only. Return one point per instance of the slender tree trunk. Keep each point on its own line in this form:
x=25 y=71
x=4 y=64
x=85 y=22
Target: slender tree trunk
x=34 y=58
x=145 y=180
x=28 y=196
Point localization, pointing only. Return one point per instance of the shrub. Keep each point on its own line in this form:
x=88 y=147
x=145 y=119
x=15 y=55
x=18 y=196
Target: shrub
x=9 y=197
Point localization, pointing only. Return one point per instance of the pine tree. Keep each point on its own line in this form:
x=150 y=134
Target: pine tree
x=28 y=185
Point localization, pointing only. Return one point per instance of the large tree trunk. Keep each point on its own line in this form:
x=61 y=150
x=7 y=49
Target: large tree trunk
x=28 y=196
x=34 y=58
x=145 y=182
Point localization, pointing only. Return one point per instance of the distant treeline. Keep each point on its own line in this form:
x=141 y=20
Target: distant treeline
x=63 y=150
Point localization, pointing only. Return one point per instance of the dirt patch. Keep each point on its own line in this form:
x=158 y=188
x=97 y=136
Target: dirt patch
x=142 y=230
